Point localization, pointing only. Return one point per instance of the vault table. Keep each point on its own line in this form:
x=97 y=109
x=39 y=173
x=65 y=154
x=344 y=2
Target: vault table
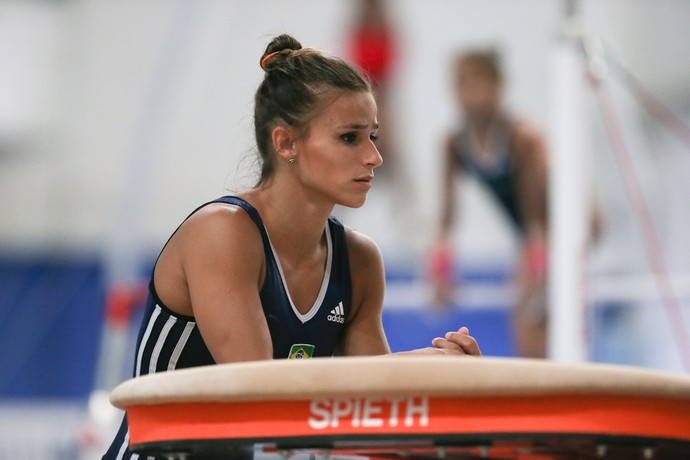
x=400 y=407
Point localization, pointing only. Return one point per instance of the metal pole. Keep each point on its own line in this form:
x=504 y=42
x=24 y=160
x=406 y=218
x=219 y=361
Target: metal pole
x=568 y=195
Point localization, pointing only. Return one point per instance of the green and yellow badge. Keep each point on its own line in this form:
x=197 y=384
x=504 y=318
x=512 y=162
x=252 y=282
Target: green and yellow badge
x=301 y=351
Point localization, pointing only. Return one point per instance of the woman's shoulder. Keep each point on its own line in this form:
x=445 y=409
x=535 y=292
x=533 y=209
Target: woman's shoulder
x=218 y=211
x=361 y=247
x=366 y=267
x=526 y=139
x=218 y=221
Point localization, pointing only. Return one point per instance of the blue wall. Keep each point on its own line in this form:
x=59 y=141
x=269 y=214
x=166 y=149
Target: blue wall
x=50 y=324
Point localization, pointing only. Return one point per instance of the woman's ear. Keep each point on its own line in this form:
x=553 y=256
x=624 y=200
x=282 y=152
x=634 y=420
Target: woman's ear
x=284 y=142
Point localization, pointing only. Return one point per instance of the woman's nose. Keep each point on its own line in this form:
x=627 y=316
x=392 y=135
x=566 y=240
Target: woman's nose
x=374 y=158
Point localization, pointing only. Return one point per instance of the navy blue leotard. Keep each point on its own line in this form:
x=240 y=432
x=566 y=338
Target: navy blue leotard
x=499 y=177
x=169 y=341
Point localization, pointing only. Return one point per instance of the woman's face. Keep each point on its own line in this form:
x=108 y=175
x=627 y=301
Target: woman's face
x=337 y=156
x=479 y=94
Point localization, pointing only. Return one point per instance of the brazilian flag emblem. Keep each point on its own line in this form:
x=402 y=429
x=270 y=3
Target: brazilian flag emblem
x=301 y=351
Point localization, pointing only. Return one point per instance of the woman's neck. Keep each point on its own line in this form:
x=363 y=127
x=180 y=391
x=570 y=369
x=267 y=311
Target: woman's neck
x=295 y=225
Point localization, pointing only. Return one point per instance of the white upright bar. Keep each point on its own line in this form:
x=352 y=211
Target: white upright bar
x=568 y=197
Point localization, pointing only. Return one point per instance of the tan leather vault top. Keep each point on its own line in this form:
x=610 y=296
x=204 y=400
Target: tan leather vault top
x=390 y=376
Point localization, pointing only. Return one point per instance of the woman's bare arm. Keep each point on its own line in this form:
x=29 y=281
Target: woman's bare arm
x=222 y=259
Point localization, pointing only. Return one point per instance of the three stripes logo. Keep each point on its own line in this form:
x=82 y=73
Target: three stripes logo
x=337 y=314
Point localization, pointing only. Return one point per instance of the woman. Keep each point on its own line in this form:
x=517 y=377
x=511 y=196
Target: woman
x=508 y=157
x=269 y=273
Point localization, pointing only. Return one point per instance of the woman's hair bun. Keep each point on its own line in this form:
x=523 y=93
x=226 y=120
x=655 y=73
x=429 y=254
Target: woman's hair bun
x=275 y=49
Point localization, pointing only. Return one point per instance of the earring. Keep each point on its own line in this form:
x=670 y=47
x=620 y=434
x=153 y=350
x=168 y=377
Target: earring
x=292 y=161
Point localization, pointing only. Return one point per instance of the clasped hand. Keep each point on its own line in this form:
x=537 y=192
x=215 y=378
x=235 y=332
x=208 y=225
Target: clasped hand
x=460 y=342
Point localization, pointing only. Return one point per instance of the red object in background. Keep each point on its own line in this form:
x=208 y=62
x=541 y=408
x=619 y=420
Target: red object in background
x=373 y=50
x=441 y=264
x=121 y=300
x=536 y=260
x=442 y=273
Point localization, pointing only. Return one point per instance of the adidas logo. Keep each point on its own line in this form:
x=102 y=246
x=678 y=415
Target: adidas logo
x=337 y=314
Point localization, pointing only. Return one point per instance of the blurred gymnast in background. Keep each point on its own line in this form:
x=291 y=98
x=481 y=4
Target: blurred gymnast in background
x=509 y=158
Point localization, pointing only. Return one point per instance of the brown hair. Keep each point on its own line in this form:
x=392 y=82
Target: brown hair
x=488 y=60
x=296 y=81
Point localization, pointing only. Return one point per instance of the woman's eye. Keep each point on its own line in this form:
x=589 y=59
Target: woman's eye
x=349 y=137
x=373 y=137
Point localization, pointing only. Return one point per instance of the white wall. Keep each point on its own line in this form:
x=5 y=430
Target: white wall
x=148 y=106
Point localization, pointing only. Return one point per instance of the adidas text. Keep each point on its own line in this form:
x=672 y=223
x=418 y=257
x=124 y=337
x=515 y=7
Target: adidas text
x=337 y=314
